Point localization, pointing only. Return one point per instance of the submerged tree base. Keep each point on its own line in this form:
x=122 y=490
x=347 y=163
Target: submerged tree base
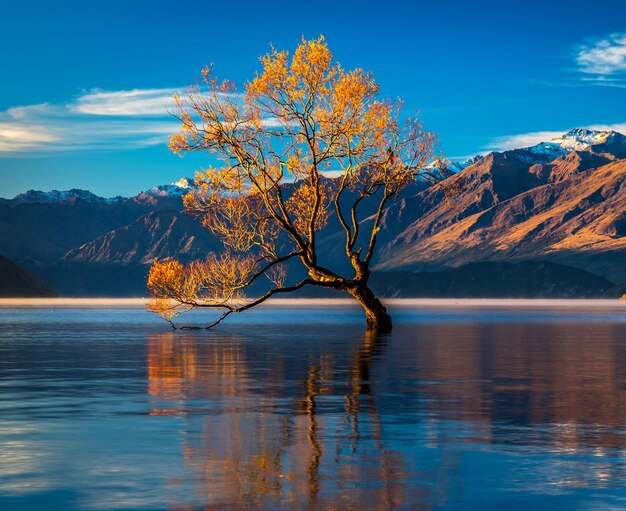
x=378 y=319
x=381 y=324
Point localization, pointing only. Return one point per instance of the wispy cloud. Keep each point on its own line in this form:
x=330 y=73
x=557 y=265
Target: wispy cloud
x=96 y=119
x=535 y=137
x=138 y=102
x=522 y=140
x=585 y=81
x=603 y=57
x=620 y=127
x=599 y=62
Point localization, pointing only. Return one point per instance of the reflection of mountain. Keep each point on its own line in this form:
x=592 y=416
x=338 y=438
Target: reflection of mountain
x=342 y=420
x=526 y=375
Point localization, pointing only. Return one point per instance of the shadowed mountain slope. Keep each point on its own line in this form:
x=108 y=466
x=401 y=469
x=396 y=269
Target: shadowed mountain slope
x=158 y=234
x=527 y=279
x=17 y=283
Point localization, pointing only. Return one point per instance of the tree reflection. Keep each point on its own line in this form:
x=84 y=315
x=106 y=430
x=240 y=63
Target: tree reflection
x=364 y=423
x=290 y=446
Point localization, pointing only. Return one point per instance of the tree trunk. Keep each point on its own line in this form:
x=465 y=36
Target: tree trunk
x=377 y=317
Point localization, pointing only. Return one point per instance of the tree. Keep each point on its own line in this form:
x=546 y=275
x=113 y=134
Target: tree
x=301 y=117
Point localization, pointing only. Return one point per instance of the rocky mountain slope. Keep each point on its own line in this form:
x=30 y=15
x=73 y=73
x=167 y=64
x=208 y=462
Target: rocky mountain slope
x=116 y=263
x=155 y=234
x=571 y=210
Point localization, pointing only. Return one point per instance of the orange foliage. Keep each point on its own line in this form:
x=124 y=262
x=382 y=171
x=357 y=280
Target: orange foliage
x=300 y=116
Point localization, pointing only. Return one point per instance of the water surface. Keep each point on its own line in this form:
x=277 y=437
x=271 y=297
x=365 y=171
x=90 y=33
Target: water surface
x=468 y=405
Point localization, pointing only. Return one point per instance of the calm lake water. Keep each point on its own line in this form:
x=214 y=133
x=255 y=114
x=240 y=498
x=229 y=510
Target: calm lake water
x=466 y=406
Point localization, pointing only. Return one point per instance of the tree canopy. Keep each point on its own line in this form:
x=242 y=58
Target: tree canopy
x=303 y=148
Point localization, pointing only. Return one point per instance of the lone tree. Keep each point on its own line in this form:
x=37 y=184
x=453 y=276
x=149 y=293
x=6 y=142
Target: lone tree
x=302 y=120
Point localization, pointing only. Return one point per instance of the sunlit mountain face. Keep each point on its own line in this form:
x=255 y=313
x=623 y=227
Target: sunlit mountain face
x=558 y=202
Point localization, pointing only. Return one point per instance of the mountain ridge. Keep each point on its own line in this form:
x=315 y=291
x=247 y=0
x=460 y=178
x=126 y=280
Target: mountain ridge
x=560 y=201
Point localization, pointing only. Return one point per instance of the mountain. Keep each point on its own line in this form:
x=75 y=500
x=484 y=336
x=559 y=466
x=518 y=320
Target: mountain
x=15 y=282
x=165 y=195
x=552 y=214
x=155 y=234
x=56 y=196
x=512 y=207
x=457 y=166
x=90 y=245
x=172 y=190
x=578 y=139
x=39 y=228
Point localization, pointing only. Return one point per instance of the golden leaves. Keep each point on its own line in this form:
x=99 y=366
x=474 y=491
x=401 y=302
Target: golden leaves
x=353 y=88
x=166 y=278
x=301 y=115
x=309 y=205
x=217 y=280
x=223 y=203
x=167 y=308
x=311 y=61
x=273 y=76
x=310 y=66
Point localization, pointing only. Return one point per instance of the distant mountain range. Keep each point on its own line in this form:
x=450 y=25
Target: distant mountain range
x=553 y=214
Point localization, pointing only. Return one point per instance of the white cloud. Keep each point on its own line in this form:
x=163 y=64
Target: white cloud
x=603 y=81
x=536 y=137
x=619 y=127
x=522 y=140
x=137 y=102
x=97 y=119
x=603 y=57
x=102 y=120
x=331 y=174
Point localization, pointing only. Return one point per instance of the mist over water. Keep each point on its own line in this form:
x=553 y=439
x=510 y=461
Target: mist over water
x=468 y=405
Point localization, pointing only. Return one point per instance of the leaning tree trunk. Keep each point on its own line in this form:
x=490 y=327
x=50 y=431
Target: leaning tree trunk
x=377 y=317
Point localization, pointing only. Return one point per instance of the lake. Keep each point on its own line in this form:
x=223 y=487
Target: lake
x=467 y=405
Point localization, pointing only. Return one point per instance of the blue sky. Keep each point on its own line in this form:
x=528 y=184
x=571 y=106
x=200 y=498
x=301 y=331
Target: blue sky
x=85 y=84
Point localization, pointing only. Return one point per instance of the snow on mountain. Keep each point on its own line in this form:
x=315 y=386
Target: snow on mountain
x=178 y=188
x=175 y=189
x=458 y=166
x=62 y=196
x=578 y=139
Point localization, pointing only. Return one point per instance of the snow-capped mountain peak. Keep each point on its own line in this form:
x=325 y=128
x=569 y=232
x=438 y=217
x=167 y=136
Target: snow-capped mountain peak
x=54 y=196
x=174 y=190
x=580 y=139
x=577 y=139
x=177 y=188
x=457 y=166
x=185 y=182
